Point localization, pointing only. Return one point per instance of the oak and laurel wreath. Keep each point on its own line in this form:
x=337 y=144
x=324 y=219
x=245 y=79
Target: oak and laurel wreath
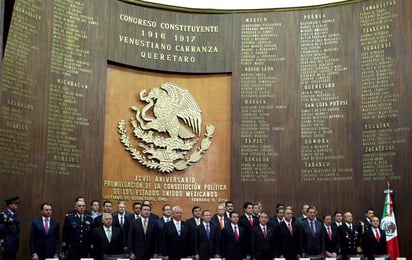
x=156 y=140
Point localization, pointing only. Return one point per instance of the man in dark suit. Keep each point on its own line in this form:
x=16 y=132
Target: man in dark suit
x=107 y=208
x=119 y=217
x=331 y=237
x=137 y=210
x=45 y=235
x=234 y=240
x=207 y=238
x=77 y=233
x=142 y=240
x=304 y=210
x=248 y=221
x=278 y=218
x=263 y=242
x=338 y=219
x=177 y=238
x=166 y=217
x=312 y=240
x=287 y=238
x=11 y=226
x=196 y=218
x=152 y=216
x=349 y=239
x=374 y=241
x=220 y=218
x=365 y=224
x=107 y=239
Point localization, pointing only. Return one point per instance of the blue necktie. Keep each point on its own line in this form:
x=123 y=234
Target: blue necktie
x=312 y=226
x=207 y=231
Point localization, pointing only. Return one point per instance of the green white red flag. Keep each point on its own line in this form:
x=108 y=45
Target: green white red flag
x=388 y=224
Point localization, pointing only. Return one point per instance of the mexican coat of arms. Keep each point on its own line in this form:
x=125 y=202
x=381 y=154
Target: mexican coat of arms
x=167 y=129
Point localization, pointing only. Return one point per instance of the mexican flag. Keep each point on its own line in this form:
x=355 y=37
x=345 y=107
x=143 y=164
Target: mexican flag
x=388 y=224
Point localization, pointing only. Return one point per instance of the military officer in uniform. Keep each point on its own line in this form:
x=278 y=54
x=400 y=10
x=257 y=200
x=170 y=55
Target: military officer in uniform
x=77 y=233
x=349 y=238
x=11 y=230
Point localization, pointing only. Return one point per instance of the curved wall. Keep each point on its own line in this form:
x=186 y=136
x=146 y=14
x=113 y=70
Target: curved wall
x=309 y=105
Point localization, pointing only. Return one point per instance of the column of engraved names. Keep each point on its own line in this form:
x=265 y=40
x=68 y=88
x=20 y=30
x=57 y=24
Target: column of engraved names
x=321 y=104
x=18 y=100
x=380 y=135
x=70 y=67
x=258 y=59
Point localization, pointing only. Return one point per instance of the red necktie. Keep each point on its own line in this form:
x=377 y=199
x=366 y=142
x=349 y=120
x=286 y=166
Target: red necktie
x=329 y=233
x=378 y=237
x=251 y=221
x=46 y=225
x=264 y=232
x=236 y=234
x=290 y=229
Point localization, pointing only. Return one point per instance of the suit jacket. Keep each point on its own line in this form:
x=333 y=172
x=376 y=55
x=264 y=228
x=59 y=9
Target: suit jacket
x=263 y=247
x=144 y=246
x=45 y=245
x=192 y=223
x=129 y=219
x=174 y=245
x=287 y=245
x=102 y=246
x=349 y=240
x=332 y=246
x=312 y=243
x=230 y=248
x=207 y=247
x=274 y=221
x=116 y=221
x=244 y=222
x=371 y=246
x=215 y=220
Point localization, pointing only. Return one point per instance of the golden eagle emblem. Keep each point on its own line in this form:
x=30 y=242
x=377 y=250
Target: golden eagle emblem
x=167 y=128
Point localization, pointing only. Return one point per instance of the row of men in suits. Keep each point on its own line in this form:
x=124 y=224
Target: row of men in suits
x=83 y=236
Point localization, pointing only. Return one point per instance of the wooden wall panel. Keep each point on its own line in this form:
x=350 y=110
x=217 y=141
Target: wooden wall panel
x=315 y=110
x=212 y=93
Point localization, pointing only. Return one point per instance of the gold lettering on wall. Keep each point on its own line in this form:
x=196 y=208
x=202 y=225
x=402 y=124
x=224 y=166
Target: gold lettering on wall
x=157 y=39
x=71 y=69
x=18 y=97
x=381 y=132
x=323 y=106
x=259 y=58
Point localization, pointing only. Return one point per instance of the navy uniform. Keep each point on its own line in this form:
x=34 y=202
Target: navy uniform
x=11 y=229
x=349 y=240
x=77 y=235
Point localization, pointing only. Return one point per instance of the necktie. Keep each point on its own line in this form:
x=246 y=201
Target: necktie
x=290 y=229
x=222 y=225
x=121 y=221
x=236 y=234
x=350 y=227
x=197 y=221
x=312 y=226
x=264 y=232
x=109 y=234
x=46 y=225
x=329 y=233
x=145 y=226
x=378 y=236
x=251 y=221
x=207 y=231
x=178 y=227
